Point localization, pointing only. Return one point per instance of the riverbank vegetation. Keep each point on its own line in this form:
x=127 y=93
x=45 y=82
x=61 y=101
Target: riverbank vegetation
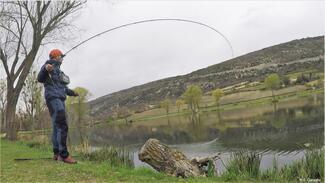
x=245 y=165
x=228 y=103
x=113 y=165
x=273 y=89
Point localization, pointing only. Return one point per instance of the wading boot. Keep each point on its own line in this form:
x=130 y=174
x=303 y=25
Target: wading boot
x=68 y=160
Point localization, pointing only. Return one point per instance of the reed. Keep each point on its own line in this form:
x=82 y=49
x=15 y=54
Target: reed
x=244 y=163
x=114 y=156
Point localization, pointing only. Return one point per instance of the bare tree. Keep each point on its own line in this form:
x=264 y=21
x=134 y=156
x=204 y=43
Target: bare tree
x=32 y=99
x=3 y=99
x=24 y=27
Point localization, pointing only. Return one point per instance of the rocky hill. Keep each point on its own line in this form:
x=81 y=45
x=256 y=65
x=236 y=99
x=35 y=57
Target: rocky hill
x=287 y=57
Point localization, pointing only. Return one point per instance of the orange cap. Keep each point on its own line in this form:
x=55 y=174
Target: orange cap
x=55 y=53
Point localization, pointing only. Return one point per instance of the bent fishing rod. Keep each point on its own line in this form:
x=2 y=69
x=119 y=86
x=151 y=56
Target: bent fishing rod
x=154 y=20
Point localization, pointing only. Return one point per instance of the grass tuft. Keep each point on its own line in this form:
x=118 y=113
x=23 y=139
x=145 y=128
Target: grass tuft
x=114 y=156
x=244 y=165
x=244 y=162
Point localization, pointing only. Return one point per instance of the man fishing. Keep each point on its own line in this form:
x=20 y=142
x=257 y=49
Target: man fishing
x=55 y=84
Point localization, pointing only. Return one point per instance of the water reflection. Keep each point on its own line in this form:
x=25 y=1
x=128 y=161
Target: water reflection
x=284 y=130
x=281 y=128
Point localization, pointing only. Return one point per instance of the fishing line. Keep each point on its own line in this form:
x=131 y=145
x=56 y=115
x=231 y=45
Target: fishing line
x=154 y=20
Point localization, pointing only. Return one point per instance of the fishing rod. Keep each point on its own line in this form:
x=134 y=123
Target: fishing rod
x=40 y=158
x=26 y=159
x=154 y=20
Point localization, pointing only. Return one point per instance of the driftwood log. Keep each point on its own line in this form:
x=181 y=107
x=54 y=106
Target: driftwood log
x=173 y=162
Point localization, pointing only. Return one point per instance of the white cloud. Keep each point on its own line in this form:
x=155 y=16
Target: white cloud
x=146 y=52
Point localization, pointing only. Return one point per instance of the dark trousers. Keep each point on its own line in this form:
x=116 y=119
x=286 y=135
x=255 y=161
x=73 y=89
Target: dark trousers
x=60 y=127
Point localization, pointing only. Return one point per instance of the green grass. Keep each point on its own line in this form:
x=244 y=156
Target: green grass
x=296 y=74
x=308 y=92
x=243 y=167
x=84 y=171
x=260 y=86
x=229 y=106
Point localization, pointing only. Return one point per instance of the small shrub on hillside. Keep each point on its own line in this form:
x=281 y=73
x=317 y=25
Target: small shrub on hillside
x=285 y=80
x=302 y=79
x=320 y=83
x=110 y=119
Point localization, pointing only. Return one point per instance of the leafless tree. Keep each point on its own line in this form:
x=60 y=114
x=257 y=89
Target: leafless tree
x=32 y=99
x=24 y=27
x=3 y=99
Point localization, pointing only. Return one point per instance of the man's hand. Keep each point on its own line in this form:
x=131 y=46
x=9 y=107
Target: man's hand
x=75 y=93
x=49 y=67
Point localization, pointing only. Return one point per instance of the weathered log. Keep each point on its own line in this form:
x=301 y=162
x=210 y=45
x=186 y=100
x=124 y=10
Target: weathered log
x=171 y=161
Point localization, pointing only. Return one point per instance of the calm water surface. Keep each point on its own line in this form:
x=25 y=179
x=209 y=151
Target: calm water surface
x=283 y=131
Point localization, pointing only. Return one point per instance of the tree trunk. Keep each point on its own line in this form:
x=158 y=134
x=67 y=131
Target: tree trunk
x=10 y=117
x=171 y=161
x=13 y=92
x=3 y=121
x=273 y=95
x=12 y=99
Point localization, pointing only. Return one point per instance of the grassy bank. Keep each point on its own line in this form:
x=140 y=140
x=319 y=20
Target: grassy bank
x=243 y=167
x=85 y=171
x=231 y=104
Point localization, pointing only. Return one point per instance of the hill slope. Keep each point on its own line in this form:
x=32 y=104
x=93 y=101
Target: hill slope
x=283 y=58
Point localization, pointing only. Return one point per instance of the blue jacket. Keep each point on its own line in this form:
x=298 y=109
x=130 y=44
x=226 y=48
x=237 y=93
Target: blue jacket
x=54 y=88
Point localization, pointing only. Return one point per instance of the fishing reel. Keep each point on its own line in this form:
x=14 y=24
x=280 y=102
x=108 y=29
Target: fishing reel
x=64 y=79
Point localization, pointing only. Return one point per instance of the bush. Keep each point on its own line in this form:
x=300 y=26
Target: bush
x=320 y=83
x=285 y=80
x=302 y=79
x=110 y=119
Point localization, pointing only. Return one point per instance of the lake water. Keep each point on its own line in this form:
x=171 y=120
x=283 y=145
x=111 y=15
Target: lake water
x=283 y=131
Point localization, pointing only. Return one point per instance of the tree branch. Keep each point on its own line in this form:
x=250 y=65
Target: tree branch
x=20 y=30
x=45 y=8
x=9 y=30
x=31 y=18
x=4 y=60
x=65 y=11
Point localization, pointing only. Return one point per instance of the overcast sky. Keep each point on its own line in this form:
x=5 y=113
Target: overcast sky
x=146 y=52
